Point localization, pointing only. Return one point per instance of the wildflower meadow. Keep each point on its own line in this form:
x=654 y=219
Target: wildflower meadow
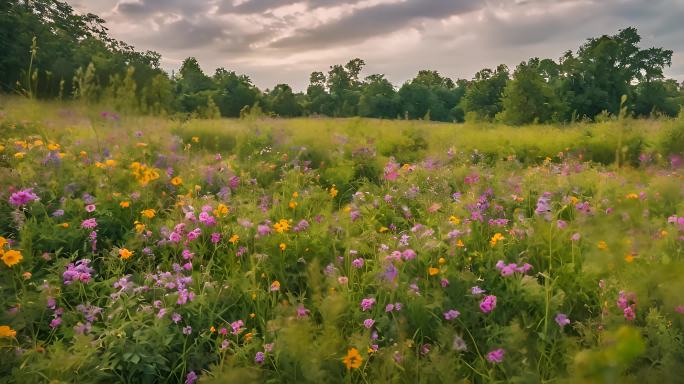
x=155 y=250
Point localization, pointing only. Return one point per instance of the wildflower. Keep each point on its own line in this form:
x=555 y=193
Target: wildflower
x=259 y=358
x=282 y=226
x=333 y=191
x=562 y=320
x=195 y=139
x=451 y=314
x=139 y=227
x=124 y=204
x=187 y=330
x=367 y=304
x=221 y=210
x=602 y=245
x=433 y=271
x=191 y=378
x=23 y=197
x=488 y=304
x=275 y=286
x=176 y=181
x=282 y=247
x=575 y=237
x=90 y=208
x=215 y=237
x=292 y=204
x=79 y=271
x=26 y=275
x=12 y=257
x=629 y=312
x=368 y=323
x=496 y=356
x=148 y=213
x=6 y=331
x=496 y=238
x=460 y=244
x=353 y=359
x=301 y=311
x=357 y=263
x=454 y=220
x=343 y=280
x=125 y=254
x=89 y=223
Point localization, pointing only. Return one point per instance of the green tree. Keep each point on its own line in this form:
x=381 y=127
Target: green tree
x=482 y=100
x=528 y=98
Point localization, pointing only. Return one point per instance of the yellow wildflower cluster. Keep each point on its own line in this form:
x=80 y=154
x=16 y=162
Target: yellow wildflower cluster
x=282 y=226
x=109 y=163
x=144 y=174
x=9 y=257
x=496 y=238
x=221 y=210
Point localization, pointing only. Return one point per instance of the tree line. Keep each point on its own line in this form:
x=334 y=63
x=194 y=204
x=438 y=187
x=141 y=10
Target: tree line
x=49 y=51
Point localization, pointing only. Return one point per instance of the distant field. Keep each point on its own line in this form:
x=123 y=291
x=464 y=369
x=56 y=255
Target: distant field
x=150 y=249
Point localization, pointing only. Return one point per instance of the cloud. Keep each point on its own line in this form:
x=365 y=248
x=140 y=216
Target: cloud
x=276 y=41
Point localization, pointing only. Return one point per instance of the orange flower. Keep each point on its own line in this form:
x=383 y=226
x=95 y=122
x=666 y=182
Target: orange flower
x=282 y=246
x=496 y=238
x=602 y=245
x=353 y=359
x=6 y=331
x=333 y=191
x=176 y=181
x=12 y=257
x=433 y=271
x=149 y=213
x=124 y=204
x=234 y=239
x=125 y=253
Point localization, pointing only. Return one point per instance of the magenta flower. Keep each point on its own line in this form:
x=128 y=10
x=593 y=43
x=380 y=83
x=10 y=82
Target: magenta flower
x=367 y=304
x=259 y=358
x=496 y=356
x=23 y=197
x=191 y=378
x=90 y=208
x=89 y=223
x=562 y=320
x=488 y=304
x=368 y=323
x=357 y=263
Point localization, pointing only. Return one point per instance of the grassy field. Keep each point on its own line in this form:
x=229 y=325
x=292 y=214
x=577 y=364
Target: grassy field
x=153 y=250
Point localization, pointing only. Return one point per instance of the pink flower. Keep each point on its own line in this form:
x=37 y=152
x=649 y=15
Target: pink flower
x=23 y=197
x=496 y=356
x=451 y=314
x=368 y=323
x=488 y=304
x=90 y=208
x=367 y=304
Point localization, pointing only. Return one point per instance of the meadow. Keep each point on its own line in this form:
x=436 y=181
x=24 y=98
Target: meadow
x=141 y=249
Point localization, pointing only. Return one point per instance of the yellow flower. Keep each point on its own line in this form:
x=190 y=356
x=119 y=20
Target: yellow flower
x=19 y=155
x=275 y=286
x=125 y=253
x=6 y=331
x=110 y=162
x=282 y=226
x=149 y=213
x=632 y=196
x=293 y=204
x=141 y=145
x=333 y=191
x=454 y=220
x=252 y=315
x=2 y=147
x=3 y=242
x=496 y=238
x=460 y=244
x=83 y=154
x=433 y=271
x=234 y=239
x=295 y=195
x=282 y=246
x=602 y=245
x=12 y=257
x=53 y=147
x=221 y=210
x=64 y=225
x=212 y=329
x=629 y=258
x=442 y=261
x=195 y=139
x=37 y=143
x=383 y=229
x=177 y=181
x=139 y=227
x=124 y=204
x=353 y=359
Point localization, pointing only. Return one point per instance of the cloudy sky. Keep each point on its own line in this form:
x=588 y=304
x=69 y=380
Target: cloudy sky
x=276 y=41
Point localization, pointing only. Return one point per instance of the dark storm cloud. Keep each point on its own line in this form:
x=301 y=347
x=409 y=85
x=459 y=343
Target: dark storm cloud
x=259 y=6
x=374 y=21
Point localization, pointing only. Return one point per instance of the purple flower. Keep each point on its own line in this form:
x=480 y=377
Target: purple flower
x=79 y=271
x=259 y=358
x=488 y=304
x=58 y=213
x=476 y=290
x=368 y=323
x=543 y=204
x=23 y=197
x=89 y=223
x=629 y=313
x=496 y=356
x=176 y=317
x=367 y=304
x=451 y=314
x=357 y=263
x=187 y=330
x=302 y=311
x=55 y=322
x=562 y=320
x=215 y=237
x=191 y=378
x=389 y=307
